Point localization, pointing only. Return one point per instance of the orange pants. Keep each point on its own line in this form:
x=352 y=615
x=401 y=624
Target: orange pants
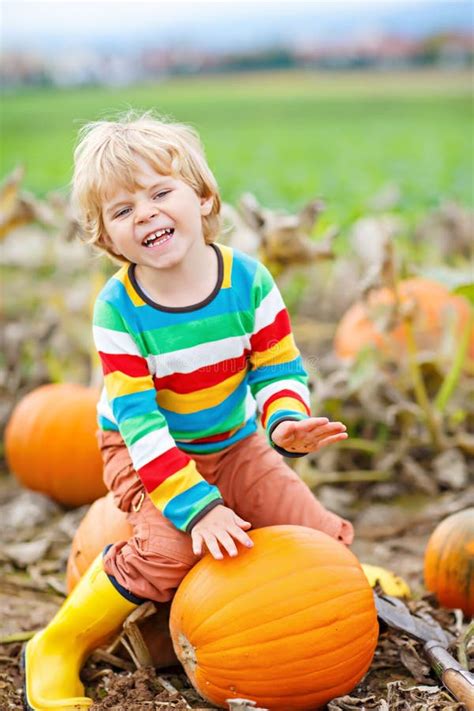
x=254 y=481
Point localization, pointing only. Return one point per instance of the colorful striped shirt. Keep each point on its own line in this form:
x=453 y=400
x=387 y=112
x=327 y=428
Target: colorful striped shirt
x=179 y=381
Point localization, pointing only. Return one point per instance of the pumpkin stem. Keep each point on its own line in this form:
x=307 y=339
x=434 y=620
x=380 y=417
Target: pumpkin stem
x=187 y=655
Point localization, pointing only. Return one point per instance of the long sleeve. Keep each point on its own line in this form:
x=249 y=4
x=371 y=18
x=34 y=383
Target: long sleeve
x=169 y=475
x=277 y=378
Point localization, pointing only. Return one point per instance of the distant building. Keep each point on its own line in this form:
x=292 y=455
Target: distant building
x=369 y=50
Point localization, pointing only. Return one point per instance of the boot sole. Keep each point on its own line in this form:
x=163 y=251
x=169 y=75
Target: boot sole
x=26 y=705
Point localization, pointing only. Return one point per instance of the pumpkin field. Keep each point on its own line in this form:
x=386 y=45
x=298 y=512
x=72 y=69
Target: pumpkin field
x=356 y=190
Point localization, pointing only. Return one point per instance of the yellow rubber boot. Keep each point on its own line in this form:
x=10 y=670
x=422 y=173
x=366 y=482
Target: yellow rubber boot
x=390 y=583
x=53 y=657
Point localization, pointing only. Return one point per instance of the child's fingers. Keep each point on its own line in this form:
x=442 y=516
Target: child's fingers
x=242 y=522
x=333 y=438
x=312 y=423
x=213 y=546
x=197 y=543
x=242 y=537
x=346 y=534
x=227 y=543
x=330 y=427
x=319 y=434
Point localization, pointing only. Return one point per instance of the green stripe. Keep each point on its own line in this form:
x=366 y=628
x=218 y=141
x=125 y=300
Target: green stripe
x=235 y=419
x=135 y=428
x=262 y=285
x=106 y=316
x=173 y=338
x=256 y=387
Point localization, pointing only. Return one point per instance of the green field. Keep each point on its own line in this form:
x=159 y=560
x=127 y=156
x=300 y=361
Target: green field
x=285 y=137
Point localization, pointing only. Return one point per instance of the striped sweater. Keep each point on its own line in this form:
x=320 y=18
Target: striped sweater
x=179 y=381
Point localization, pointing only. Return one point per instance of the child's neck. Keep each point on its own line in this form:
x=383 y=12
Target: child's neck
x=189 y=282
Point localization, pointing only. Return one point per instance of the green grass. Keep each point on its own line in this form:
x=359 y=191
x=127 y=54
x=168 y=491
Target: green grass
x=284 y=137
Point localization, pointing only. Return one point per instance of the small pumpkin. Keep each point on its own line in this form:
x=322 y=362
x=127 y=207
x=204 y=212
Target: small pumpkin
x=449 y=562
x=433 y=304
x=103 y=523
x=289 y=623
x=51 y=446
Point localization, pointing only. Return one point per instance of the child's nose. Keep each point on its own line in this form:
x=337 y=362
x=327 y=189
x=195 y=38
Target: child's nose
x=145 y=211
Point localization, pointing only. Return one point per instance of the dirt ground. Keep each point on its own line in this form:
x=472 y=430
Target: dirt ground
x=399 y=678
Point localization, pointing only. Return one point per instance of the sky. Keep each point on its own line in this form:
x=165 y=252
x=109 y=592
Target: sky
x=216 y=25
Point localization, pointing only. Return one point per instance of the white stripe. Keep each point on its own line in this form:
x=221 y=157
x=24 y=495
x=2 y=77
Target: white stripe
x=265 y=393
x=103 y=407
x=151 y=446
x=188 y=359
x=270 y=306
x=114 y=342
x=250 y=405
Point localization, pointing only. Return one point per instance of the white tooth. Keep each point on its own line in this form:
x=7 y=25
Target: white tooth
x=162 y=236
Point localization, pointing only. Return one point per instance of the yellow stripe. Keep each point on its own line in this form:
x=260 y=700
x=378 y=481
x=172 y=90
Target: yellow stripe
x=178 y=482
x=117 y=384
x=285 y=403
x=132 y=294
x=282 y=352
x=187 y=403
x=122 y=272
x=227 y=258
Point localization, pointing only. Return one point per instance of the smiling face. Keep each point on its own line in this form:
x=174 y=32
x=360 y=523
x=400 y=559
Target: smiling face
x=158 y=222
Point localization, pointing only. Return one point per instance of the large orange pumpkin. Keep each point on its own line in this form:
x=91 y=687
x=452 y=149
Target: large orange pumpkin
x=434 y=305
x=51 y=446
x=449 y=562
x=103 y=523
x=289 y=623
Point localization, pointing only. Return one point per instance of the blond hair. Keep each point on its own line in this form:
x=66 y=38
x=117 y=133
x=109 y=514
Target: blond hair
x=105 y=156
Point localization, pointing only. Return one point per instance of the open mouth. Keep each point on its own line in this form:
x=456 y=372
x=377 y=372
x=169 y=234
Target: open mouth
x=158 y=238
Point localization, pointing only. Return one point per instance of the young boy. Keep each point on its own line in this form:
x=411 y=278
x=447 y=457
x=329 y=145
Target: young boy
x=194 y=340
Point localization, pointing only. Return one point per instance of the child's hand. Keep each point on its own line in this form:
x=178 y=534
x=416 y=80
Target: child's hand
x=220 y=526
x=308 y=435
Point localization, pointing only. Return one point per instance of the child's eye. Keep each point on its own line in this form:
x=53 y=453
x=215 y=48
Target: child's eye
x=120 y=213
x=162 y=193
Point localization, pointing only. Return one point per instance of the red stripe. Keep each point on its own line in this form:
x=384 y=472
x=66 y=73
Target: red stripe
x=135 y=366
x=155 y=472
x=214 y=438
x=205 y=377
x=273 y=333
x=277 y=396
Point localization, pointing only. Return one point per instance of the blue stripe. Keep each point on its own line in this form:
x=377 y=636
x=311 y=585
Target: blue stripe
x=281 y=415
x=278 y=371
x=134 y=404
x=244 y=269
x=197 y=421
x=181 y=508
x=106 y=424
x=147 y=318
x=249 y=428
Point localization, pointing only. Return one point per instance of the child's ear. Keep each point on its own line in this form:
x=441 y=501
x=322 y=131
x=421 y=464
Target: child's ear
x=206 y=205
